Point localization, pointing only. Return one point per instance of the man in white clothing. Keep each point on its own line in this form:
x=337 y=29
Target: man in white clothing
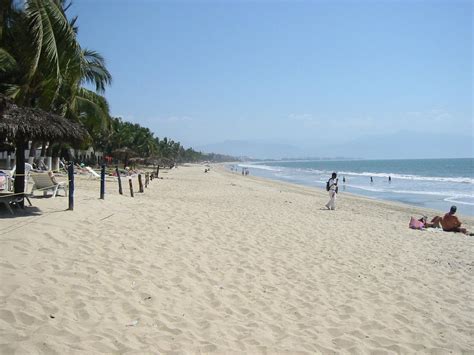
x=332 y=189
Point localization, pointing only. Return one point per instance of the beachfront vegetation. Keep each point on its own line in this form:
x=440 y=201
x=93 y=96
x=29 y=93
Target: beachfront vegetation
x=43 y=65
x=142 y=143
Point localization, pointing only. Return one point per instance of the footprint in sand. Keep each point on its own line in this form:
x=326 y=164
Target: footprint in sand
x=7 y=316
x=26 y=318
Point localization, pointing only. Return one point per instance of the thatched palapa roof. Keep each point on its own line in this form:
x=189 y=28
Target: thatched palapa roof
x=137 y=160
x=124 y=151
x=26 y=123
x=162 y=161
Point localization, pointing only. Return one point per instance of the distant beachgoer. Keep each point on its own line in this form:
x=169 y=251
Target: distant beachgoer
x=371 y=179
x=243 y=171
x=450 y=222
x=389 y=178
x=331 y=187
x=343 y=179
x=423 y=222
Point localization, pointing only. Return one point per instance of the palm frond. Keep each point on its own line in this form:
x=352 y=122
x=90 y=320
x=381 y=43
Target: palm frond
x=10 y=90
x=94 y=70
x=93 y=108
x=51 y=29
x=33 y=11
x=7 y=62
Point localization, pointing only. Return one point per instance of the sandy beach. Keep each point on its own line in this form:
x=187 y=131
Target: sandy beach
x=221 y=263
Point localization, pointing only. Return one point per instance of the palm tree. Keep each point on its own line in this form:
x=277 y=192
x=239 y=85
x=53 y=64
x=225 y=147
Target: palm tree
x=43 y=65
x=37 y=36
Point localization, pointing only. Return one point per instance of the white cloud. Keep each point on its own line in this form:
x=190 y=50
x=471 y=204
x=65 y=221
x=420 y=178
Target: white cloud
x=440 y=115
x=302 y=117
x=328 y=127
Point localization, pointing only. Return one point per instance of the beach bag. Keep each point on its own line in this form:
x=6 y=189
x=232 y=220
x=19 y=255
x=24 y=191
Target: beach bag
x=416 y=224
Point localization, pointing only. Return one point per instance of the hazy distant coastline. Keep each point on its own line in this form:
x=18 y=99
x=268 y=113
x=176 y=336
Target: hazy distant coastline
x=401 y=145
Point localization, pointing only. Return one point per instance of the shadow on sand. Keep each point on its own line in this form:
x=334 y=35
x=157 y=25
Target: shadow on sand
x=28 y=211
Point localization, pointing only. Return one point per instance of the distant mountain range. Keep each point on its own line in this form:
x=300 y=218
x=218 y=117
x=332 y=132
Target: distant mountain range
x=403 y=145
x=406 y=145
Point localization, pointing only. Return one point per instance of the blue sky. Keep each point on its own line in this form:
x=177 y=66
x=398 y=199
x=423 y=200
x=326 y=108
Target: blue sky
x=307 y=73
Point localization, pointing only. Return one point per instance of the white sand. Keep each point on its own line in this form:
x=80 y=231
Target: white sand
x=223 y=263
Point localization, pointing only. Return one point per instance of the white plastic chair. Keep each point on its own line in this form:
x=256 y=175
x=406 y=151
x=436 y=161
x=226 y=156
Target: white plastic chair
x=45 y=183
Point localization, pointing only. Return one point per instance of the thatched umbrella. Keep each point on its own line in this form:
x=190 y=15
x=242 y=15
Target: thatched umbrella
x=124 y=154
x=167 y=162
x=161 y=161
x=137 y=160
x=21 y=124
x=152 y=161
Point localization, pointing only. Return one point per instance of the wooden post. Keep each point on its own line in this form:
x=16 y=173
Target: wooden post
x=119 y=180
x=102 y=182
x=19 y=183
x=131 y=186
x=157 y=171
x=147 y=177
x=140 y=183
x=152 y=175
x=70 y=175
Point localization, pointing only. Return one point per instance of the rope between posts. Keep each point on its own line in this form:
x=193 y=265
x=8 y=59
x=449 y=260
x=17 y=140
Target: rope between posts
x=8 y=194
x=11 y=194
x=20 y=174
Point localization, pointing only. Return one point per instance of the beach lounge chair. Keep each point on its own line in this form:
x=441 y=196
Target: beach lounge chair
x=6 y=187
x=11 y=173
x=10 y=198
x=92 y=173
x=6 y=198
x=45 y=183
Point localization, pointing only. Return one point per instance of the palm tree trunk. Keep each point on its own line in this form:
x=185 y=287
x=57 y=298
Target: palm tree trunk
x=55 y=154
x=125 y=161
x=49 y=154
x=42 y=154
x=31 y=156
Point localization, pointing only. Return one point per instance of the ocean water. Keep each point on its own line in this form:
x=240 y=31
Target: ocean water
x=432 y=183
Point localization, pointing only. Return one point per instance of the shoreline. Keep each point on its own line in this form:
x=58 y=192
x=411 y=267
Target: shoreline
x=401 y=206
x=216 y=262
x=434 y=205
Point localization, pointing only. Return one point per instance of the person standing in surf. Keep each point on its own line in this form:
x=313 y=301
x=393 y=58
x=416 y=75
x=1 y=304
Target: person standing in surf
x=331 y=187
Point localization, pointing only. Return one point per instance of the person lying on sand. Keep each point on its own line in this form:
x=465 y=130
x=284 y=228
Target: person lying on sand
x=426 y=224
x=423 y=223
x=450 y=222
